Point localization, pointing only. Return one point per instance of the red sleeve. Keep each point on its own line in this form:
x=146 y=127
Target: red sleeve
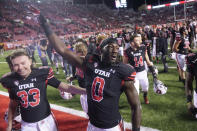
x=51 y=80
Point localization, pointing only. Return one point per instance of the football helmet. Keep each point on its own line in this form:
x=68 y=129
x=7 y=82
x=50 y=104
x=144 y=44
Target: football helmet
x=172 y=55
x=66 y=95
x=159 y=87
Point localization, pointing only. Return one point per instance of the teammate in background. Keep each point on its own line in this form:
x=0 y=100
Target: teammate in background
x=191 y=74
x=43 y=48
x=163 y=46
x=173 y=31
x=126 y=37
x=106 y=79
x=182 y=48
x=146 y=38
x=49 y=53
x=121 y=45
x=100 y=39
x=92 y=44
x=27 y=87
x=30 y=49
x=80 y=48
x=57 y=59
x=69 y=69
x=136 y=55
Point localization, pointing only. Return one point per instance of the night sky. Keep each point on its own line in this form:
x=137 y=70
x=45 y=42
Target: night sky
x=136 y=3
x=131 y=3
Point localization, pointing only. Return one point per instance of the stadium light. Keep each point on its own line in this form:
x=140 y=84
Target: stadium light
x=170 y=4
x=175 y=3
x=149 y=7
x=158 y=6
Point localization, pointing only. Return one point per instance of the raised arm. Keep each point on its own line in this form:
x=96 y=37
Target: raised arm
x=59 y=46
x=133 y=100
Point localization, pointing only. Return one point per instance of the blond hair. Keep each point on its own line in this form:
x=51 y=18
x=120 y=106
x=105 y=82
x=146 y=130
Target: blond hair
x=81 y=47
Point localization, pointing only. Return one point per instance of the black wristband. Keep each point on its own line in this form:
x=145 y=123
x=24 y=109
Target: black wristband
x=189 y=98
x=135 y=129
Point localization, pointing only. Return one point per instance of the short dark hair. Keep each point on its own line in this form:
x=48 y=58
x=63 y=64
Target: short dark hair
x=18 y=53
x=9 y=62
x=134 y=35
x=92 y=39
x=43 y=42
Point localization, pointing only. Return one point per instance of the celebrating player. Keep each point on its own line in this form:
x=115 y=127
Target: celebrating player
x=27 y=86
x=80 y=48
x=136 y=55
x=106 y=79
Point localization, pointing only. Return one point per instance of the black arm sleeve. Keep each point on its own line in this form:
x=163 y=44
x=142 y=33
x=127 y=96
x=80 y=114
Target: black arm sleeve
x=54 y=82
x=152 y=70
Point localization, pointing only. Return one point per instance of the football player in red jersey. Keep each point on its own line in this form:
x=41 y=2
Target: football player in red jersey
x=191 y=74
x=81 y=49
x=136 y=55
x=106 y=79
x=27 y=87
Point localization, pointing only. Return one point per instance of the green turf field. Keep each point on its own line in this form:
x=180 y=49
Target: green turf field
x=165 y=112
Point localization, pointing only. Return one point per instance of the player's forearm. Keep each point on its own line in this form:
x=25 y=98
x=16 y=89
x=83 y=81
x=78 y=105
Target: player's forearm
x=11 y=111
x=76 y=90
x=152 y=70
x=175 y=48
x=188 y=88
x=71 y=88
x=188 y=84
x=136 y=118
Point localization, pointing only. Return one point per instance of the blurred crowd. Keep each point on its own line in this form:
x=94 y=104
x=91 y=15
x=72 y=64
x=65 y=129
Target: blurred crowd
x=157 y=28
x=17 y=23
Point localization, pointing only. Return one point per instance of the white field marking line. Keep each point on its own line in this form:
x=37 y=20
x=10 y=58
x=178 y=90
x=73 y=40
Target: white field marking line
x=83 y=114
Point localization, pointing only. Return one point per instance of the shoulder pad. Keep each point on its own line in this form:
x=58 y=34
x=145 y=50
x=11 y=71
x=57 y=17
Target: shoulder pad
x=127 y=72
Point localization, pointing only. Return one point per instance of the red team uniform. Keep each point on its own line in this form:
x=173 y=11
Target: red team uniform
x=136 y=58
x=103 y=86
x=31 y=93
